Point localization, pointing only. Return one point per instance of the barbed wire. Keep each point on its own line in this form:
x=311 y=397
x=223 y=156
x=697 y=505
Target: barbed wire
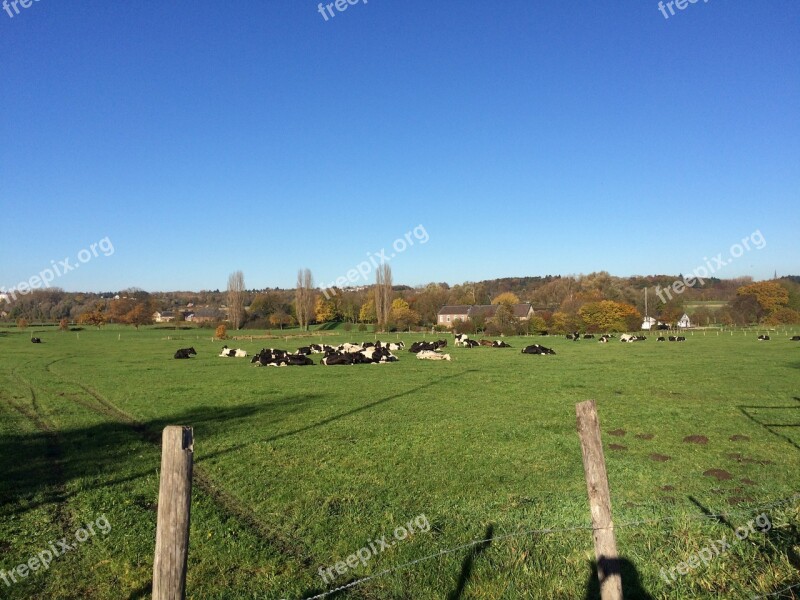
x=546 y=531
x=786 y=589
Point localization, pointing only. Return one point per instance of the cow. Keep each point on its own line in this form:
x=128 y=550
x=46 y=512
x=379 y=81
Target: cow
x=36 y=340
x=672 y=338
x=795 y=338
x=304 y=350
x=603 y=339
x=631 y=338
x=471 y=343
x=681 y=339
x=431 y=355
x=396 y=346
x=588 y=336
x=573 y=336
x=461 y=339
x=500 y=344
x=661 y=338
x=420 y=346
x=537 y=349
x=298 y=360
x=233 y=352
x=763 y=338
x=488 y=343
x=185 y=353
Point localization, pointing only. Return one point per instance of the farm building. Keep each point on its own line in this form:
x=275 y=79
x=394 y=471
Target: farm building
x=448 y=314
x=205 y=315
x=163 y=316
x=684 y=321
x=649 y=323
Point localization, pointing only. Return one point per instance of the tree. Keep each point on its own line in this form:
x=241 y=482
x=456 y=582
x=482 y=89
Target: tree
x=608 y=315
x=96 y=317
x=63 y=324
x=403 y=315
x=304 y=298
x=22 y=323
x=221 y=332
x=236 y=312
x=507 y=298
x=383 y=295
x=280 y=318
x=367 y=312
x=770 y=296
x=324 y=310
x=504 y=320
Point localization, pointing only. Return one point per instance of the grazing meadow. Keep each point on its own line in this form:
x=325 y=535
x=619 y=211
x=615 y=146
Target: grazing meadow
x=298 y=468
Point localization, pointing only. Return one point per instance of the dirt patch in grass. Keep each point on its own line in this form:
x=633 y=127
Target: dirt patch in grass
x=645 y=436
x=718 y=474
x=660 y=457
x=747 y=481
x=617 y=447
x=667 y=488
x=739 y=438
x=695 y=439
x=617 y=432
x=734 y=500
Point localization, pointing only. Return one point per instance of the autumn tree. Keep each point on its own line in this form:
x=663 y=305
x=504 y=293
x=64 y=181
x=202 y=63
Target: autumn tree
x=324 y=310
x=367 y=312
x=304 y=298
x=770 y=296
x=22 y=323
x=63 y=324
x=280 y=318
x=403 y=315
x=383 y=295
x=221 y=333
x=608 y=315
x=96 y=317
x=236 y=312
x=506 y=298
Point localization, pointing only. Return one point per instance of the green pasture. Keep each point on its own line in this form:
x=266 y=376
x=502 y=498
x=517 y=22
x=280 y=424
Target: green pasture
x=298 y=468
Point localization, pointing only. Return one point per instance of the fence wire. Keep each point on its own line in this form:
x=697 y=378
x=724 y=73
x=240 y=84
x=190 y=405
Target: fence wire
x=637 y=523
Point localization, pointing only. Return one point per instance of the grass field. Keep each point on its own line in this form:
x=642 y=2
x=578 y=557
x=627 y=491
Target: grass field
x=298 y=468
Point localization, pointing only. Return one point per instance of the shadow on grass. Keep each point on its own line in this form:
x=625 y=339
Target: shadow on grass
x=632 y=588
x=364 y=407
x=771 y=427
x=466 y=565
x=783 y=541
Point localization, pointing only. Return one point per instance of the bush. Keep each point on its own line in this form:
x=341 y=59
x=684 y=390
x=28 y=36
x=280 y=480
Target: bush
x=221 y=333
x=22 y=323
x=348 y=326
x=362 y=327
x=63 y=324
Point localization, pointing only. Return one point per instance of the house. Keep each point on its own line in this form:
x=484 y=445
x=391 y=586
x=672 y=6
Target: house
x=448 y=314
x=163 y=316
x=649 y=323
x=684 y=322
x=204 y=315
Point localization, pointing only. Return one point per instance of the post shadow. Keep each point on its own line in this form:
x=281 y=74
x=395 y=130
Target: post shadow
x=632 y=588
x=469 y=560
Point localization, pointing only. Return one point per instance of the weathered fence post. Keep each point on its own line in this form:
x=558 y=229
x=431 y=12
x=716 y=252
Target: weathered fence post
x=174 y=507
x=594 y=468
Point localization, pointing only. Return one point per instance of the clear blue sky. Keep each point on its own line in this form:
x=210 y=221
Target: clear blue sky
x=527 y=139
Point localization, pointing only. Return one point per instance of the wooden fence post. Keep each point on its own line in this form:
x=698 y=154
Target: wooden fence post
x=594 y=468
x=174 y=507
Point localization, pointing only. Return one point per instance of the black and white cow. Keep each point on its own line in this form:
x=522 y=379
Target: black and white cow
x=603 y=339
x=500 y=344
x=537 y=349
x=661 y=338
x=471 y=343
x=795 y=338
x=233 y=352
x=763 y=338
x=588 y=336
x=461 y=339
x=36 y=340
x=420 y=346
x=185 y=353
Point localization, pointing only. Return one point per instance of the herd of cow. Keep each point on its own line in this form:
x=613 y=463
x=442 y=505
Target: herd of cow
x=380 y=352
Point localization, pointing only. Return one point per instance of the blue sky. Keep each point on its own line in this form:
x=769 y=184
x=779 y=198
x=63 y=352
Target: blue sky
x=526 y=138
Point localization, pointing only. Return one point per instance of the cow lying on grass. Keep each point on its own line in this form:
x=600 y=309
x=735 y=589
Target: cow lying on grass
x=372 y=355
x=36 y=340
x=631 y=338
x=272 y=357
x=185 y=353
x=233 y=353
x=795 y=338
x=537 y=349
x=431 y=355
x=432 y=346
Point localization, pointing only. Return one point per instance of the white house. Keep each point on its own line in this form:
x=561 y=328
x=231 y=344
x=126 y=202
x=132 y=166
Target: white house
x=684 y=321
x=649 y=323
